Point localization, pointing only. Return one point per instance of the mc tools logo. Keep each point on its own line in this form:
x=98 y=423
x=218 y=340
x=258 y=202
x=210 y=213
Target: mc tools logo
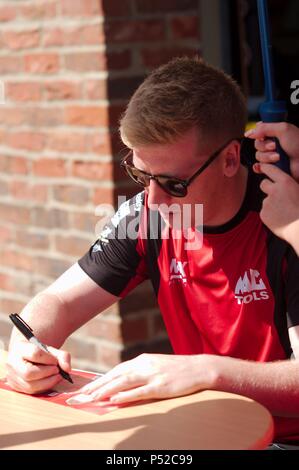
x=250 y=287
x=177 y=271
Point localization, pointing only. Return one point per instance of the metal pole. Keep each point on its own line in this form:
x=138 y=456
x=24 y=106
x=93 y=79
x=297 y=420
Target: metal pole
x=271 y=110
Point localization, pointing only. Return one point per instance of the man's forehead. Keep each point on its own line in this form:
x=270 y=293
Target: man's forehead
x=188 y=145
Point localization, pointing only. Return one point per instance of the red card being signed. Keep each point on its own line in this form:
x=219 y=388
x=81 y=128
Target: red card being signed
x=65 y=390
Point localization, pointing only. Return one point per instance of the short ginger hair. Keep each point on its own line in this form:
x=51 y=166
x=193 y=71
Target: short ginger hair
x=179 y=95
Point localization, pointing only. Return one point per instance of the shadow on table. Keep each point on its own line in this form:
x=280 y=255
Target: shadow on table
x=236 y=419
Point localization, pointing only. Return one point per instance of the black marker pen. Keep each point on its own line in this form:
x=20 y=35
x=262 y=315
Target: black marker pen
x=25 y=329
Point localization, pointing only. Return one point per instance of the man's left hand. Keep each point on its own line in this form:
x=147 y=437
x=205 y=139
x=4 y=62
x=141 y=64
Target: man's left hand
x=152 y=376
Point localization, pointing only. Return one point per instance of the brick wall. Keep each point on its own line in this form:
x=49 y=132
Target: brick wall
x=68 y=67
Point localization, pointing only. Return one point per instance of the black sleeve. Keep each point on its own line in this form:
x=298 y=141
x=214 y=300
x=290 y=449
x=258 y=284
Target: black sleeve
x=292 y=287
x=115 y=261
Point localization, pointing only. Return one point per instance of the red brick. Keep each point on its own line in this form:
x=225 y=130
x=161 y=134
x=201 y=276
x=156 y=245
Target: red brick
x=153 y=57
x=134 y=302
x=71 y=194
x=4 y=188
x=50 y=218
x=19 y=165
x=16 y=259
x=53 y=37
x=135 y=329
x=11 y=305
x=100 y=143
x=71 y=245
x=116 y=8
x=85 y=35
x=23 y=91
x=134 y=30
x=110 y=356
x=87 y=115
x=93 y=170
x=80 y=347
x=5 y=329
x=39 y=10
x=115 y=112
x=67 y=142
x=85 y=222
x=165 y=6
x=16 y=40
x=14 y=214
x=6 y=234
x=79 y=35
x=155 y=345
x=50 y=267
x=12 y=116
x=6 y=282
x=127 y=191
x=183 y=27
x=122 y=88
x=104 y=328
x=10 y=164
x=32 y=141
x=31 y=239
x=95 y=89
x=158 y=325
x=103 y=196
x=79 y=8
x=3 y=136
x=62 y=90
x=119 y=60
x=51 y=167
x=43 y=116
x=10 y=64
x=41 y=63
x=28 y=192
x=85 y=61
x=23 y=284
x=7 y=13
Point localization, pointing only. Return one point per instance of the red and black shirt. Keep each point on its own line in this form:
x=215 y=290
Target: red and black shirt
x=235 y=295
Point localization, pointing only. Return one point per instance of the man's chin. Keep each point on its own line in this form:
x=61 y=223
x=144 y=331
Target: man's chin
x=175 y=221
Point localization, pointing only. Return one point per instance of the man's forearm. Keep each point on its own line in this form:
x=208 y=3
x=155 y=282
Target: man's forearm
x=45 y=313
x=273 y=384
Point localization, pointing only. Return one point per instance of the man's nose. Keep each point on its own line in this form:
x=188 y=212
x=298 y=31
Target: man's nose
x=156 y=195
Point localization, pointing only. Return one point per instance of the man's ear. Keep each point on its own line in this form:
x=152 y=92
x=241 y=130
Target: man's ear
x=231 y=159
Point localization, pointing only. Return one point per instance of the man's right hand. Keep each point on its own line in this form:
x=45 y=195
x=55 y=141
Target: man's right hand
x=31 y=370
x=288 y=136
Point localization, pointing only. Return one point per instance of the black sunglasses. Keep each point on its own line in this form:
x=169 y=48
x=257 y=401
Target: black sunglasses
x=171 y=185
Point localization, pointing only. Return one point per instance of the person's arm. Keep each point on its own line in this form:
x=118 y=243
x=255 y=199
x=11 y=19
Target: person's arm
x=157 y=376
x=288 y=136
x=280 y=209
x=72 y=300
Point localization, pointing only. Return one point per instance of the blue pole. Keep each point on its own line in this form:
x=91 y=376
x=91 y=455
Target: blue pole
x=266 y=49
x=271 y=110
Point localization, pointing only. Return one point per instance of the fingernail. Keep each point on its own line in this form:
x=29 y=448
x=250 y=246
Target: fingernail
x=96 y=396
x=249 y=132
x=114 y=399
x=79 y=399
x=84 y=390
